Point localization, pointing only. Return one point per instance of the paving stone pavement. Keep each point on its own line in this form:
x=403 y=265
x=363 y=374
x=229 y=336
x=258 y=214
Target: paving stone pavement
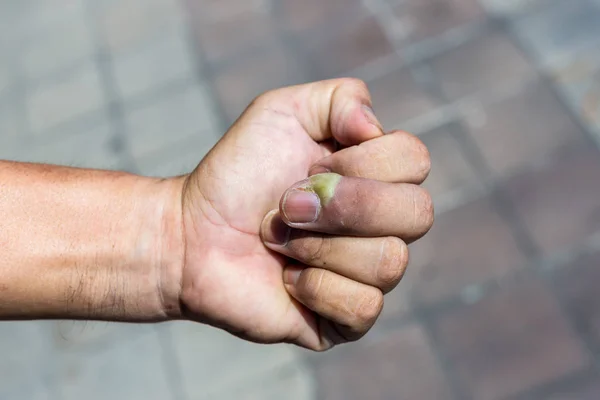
x=501 y=300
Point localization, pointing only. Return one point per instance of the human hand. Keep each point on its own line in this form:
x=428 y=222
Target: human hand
x=278 y=246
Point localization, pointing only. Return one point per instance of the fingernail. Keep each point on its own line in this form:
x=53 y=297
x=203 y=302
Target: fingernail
x=291 y=275
x=276 y=231
x=318 y=169
x=370 y=115
x=301 y=206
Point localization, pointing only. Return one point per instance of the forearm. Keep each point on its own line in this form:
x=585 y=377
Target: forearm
x=85 y=244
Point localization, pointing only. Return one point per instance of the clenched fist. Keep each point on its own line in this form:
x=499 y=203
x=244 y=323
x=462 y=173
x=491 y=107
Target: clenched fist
x=291 y=229
x=296 y=224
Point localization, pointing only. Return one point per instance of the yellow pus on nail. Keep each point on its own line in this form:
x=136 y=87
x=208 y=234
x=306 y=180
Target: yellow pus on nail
x=323 y=185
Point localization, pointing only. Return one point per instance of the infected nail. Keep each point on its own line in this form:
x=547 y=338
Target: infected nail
x=276 y=231
x=324 y=186
x=301 y=206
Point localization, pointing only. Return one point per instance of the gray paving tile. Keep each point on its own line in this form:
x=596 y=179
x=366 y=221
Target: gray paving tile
x=6 y=77
x=82 y=335
x=26 y=354
x=10 y=126
x=31 y=391
x=29 y=18
x=180 y=159
x=154 y=64
x=170 y=119
x=210 y=360
x=561 y=31
x=124 y=370
x=513 y=7
x=10 y=149
x=11 y=134
x=291 y=383
x=57 y=47
x=86 y=149
x=74 y=336
x=56 y=102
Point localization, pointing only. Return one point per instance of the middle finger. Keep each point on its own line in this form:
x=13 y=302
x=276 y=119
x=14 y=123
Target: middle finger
x=396 y=157
x=378 y=262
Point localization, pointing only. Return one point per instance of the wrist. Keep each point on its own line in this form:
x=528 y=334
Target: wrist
x=169 y=262
x=137 y=273
x=151 y=253
x=139 y=277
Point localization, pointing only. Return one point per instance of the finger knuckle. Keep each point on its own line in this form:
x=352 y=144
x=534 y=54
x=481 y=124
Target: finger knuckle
x=358 y=83
x=428 y=210
x=423 y=158
x=262 y=99
x=267 y=98
x=313 y=284
x=314 y=249
x=424 y=210
x=393 y=263
x=369 y=308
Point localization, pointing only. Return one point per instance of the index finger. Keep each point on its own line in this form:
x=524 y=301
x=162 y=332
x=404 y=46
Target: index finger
x=330 y=203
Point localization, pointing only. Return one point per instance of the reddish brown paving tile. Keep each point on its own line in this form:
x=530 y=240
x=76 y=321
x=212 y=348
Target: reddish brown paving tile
x=269 y=67
x=304 y=16
x=227 y=37
x=488 y=61
x=559 y=203
x=340 y=48
x=577 y=284
x=429 y=18
x=450 y=170
x=512 y=341
x=467 y=246
x=402 y=366
x=397 y=98
x=528 y=127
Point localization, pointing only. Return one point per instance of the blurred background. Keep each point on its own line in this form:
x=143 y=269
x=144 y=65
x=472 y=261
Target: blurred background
x=502 y=298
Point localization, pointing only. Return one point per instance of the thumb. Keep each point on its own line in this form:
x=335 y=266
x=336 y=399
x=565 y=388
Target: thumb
x=340 y=109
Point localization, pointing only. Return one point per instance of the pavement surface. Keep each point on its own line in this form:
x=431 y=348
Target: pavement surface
x=501 y=300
